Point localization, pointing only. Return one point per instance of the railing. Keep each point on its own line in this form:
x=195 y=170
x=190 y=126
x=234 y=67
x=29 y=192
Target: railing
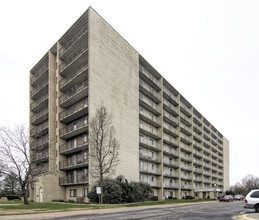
x=148 y=170
x=186 y=187
x=82 y=67
x=34 y=77
x=73 y=179
x=149 y=89
x=199 y=162
x=171 y=174
x=197 y=127
x=76 y=89
x=186 y=157
x=171 y=106
x=185 y=108
x=73 y=162
x=41 y=141
x=153 y=130
x=147 y=157
x=206 y=165
x=198 y=170
x=196 y=152
x=73 y=57
x=170 y=94
x=152 y=143
x=185 y=166
x=39 y=114
x=74 y=108
x=150 y=116
x=37 y=171
x=39 y=128
x=38 y=101
x=186 y=118
x=40 y=156
x=148 y=75
x=186 y=128
x=186 y=147
x=171 y=151
x=171 y=117
x=149 y=102
x=187 y=177
x=73 y=127
x=170 y=139
x=187 y=138
x=171 y=185
x=170 y=163
x=171 y=128
x=198 y=119
x=38 y=88
x=74 y=143
x=78 y=35
x=206 y=136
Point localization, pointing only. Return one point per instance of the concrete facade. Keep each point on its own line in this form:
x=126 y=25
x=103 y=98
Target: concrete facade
x=164 y=140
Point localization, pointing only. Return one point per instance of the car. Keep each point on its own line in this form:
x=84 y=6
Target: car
x=252 y=200
x=239 y=197
x=226 y=198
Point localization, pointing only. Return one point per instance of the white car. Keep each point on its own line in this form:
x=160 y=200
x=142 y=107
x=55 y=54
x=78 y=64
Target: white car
x=252 y=200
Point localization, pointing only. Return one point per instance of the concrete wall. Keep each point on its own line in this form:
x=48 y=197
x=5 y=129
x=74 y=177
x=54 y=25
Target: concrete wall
x=226 y=163
x=114 y=82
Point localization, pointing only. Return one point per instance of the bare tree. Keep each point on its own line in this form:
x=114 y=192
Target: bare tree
x=103 y=145
x=14 y=156
x=250 y=182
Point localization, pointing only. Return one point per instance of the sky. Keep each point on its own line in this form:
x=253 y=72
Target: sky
x=208 y=50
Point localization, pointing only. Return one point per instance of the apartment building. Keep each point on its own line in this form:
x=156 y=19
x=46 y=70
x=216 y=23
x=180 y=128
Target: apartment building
x=165 y=141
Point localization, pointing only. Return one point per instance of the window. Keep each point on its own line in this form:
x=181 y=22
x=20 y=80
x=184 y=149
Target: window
x=151 y=141
x=255 y=194
x=72 y=192
x=171 y=181
x=151 y=178
x=141 y=139
x=151 y=154
x=85 y=192
x=141 y=165
x=141 y=151
x=85 y=155
x=141 y=110
x=151 y=166
x=85 y=138
x=141 y=124
x=141 y=178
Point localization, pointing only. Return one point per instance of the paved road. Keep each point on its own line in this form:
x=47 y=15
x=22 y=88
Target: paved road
x=211 y=211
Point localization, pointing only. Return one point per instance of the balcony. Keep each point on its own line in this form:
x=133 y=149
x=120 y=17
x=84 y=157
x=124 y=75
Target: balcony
x=185 y=139
x=197 y=153
x=186 y=187
x=149 y=91
x=197 y=170
x=150 y=144
x=149 y=131
x=207 y=174
x=149 y=171
x=213 y=142
x=40 y=75
x=185 y=158
x=187 y=111
x=73 y=180
x=206 y=144
x=171 y=174
x=149 y=158
x=75 y=128
x=206 y=137
x=69 y=63
x=73 y=163
x=187 y=121
x=185 y=148
x=170 y=96
x=197 y=120
x=185 y=129
x=198 y=179
x=186 y=177
x=149 y=104
x=77 y=39
x=74 y=112
x=207 y=166
x=170 y=140
x=74 y=94
x=41 y=89
x=197 y=145
x=39 y=157
x=197 y=137
x=206 y=151
x=171 y=163
x=171 y=186
x=41 y=143
x=171 y=108
x=171 y=152
x=197 y=128
x=206 y=157
x=77 y=75
x=40 y=130
x=170 y=119
x=206 y=128
x=197 y=162
x=170 y=130
x=73 y=146
x=40 y=170
x=186 y=167
x=40 y=116
x=40 y=103
x=149 y=118
x=149 y=78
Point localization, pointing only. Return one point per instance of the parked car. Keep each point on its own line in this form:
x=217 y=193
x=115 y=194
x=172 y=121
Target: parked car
x=239 y=197
x=226 y=198
x=252 y=200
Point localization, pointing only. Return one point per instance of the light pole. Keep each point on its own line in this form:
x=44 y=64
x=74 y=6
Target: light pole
x=215 y=195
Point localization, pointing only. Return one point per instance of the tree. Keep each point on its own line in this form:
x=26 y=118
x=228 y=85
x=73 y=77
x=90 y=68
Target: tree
x=14 y=156
x=103 y=145
x=11 y=184
x=250 y=182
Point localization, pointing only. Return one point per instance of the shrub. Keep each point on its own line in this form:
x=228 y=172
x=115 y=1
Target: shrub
x=173 y=198
x=154 y=198
x=189 y=197
x=13 y=197
x=71 y=201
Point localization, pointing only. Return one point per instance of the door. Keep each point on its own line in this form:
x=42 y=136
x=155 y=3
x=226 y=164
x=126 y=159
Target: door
x=41 y=195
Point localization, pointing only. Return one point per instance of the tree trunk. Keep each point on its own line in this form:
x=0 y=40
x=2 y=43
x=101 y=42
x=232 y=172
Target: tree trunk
x=101 y=183
x=25 y=198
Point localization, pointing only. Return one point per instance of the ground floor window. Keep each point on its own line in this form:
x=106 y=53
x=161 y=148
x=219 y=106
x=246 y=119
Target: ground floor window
x=85 y=192
x=72 y=192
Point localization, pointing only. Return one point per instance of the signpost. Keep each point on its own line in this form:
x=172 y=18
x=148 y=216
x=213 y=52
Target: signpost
x=98 y=191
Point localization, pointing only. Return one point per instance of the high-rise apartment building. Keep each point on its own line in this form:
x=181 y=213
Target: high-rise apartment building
x=165 y=141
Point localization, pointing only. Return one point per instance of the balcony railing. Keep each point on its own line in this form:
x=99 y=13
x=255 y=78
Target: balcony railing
x=185 y=129
x=40 y=73
x=185 y=157
x=73 y=180
x=40 y=116
x=40 y=87
x=149 y=75
x=186 y=167
x=74 y=162
x=76 y=72
x=197 y=153
x=40 y=129
x=150 y=90
x=36 y=104
x=171 y=107
x=38 y=157
x=171 y=174
x=150 y=117
x=198 y=128
x=150 y=144
x=76 y=110
x=74 y=128
x=186 y=138
x=198 y=170
x=172 y=130
x=188 y=120
x=73 y=92
x=40 y=170
x=186 y=147
x=188 y=110
x=152 y=105
x=186 y=177
x=171 y=185
x=170 y=94
x=172 y=152
x=40 y=143
x=77 y=36
x=149 y=158
x=169 y=163
x=74 y=145
x=170 y=140
x=73 y=57
x=171 y=118
x=198 y=162
x=150 y=131
x=147 y=170
x=188 y=187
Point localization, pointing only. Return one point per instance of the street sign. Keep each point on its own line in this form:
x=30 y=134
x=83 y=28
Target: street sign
x=98 y=190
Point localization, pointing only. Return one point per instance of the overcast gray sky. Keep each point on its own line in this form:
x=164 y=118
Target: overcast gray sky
x=208 y=50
